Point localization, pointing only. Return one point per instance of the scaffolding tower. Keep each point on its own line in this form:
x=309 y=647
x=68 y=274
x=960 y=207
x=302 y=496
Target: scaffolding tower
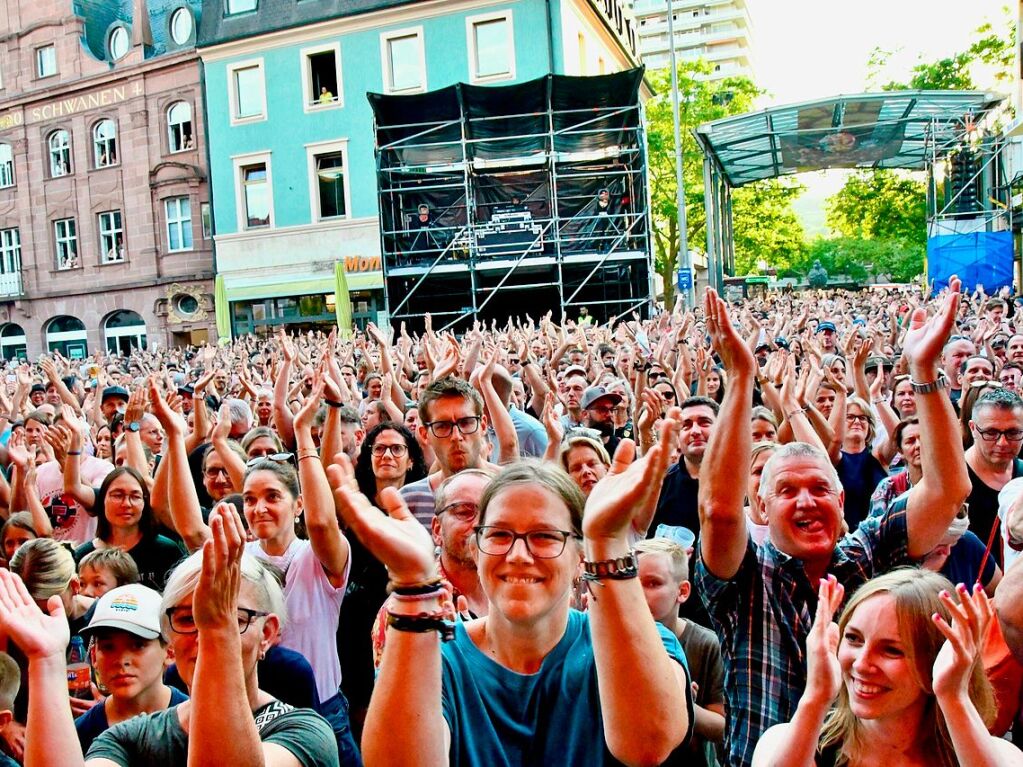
x=504 y=201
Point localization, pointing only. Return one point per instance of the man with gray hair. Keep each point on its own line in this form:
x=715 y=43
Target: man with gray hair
x=762 y=599
x=241 y=417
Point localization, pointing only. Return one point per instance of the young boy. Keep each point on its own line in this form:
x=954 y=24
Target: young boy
x=10 y=683
x=664 y=575
x=106 y=569
x=130 y=655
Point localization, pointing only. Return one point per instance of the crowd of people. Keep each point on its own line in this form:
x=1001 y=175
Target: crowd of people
x=779 y=531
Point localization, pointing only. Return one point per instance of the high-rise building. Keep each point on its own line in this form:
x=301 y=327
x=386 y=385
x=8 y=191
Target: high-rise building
x=104 y=234
x=718 y=31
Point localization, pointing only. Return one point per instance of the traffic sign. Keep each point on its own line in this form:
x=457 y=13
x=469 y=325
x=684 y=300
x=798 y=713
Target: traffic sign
x=685 y=279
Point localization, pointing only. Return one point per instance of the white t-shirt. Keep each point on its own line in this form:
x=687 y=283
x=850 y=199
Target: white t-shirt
x=313 y=608
x=71 y=522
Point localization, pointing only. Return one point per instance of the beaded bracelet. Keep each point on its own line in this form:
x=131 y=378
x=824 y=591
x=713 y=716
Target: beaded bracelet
x=422 y=623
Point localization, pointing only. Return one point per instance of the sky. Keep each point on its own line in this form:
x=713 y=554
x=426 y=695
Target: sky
x=809 y=49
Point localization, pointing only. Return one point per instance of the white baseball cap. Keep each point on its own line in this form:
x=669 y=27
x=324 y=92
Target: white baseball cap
x=134 y=608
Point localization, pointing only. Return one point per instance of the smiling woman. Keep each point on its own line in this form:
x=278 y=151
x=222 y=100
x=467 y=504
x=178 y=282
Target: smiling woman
x=609 y=684
x=126 y=522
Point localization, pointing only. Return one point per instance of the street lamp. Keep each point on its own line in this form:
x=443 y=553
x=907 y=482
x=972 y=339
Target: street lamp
x=683 y=237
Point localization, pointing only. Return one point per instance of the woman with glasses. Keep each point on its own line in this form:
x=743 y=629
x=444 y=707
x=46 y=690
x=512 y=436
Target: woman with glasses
x=126 y=522
x=860 y=467
x=532 y=682
x=222 y=611
x=260 y=442
x=389 y=457
x=315 y=570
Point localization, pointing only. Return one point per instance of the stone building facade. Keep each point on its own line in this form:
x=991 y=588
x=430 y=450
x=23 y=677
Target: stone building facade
x=104 y=204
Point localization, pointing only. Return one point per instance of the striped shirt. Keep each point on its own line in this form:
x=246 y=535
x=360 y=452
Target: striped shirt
x=763 y=614
x=419 y=498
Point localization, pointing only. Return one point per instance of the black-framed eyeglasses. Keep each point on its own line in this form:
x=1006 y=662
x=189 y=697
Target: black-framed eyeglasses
x=463 y=510
x=398 y=450
x=182 y=621
x=275 y=457
x=992 y=435
x=214 y=471
x=443 y=429
x=542 y=544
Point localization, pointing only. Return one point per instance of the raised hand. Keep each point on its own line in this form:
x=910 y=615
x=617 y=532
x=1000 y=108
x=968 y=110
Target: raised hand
x=926 y=336
x=172 y=421
x=38 y=634
x=215 y=600
x=136 y=405
x=552 y=424
x=397 y=539
x=18 y=451
x=823 y=672
x=964 y=640
x=734 y=353
x=631 y=488
x=222 y=430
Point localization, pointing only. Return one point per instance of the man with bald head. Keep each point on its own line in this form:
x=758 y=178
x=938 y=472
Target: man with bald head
x=956 y=352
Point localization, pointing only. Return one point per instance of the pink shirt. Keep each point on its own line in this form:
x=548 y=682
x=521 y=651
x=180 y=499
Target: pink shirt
x=71 y=522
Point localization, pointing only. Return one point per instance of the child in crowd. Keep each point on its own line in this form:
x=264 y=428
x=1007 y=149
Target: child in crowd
x=10 y=683
x=664 y=575
x=16 y=530
x=129 y=654
x=106 y=569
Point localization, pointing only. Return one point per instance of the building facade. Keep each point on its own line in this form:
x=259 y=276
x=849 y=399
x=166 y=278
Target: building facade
x=718 y=31
x=291 y=134
x=103 y=181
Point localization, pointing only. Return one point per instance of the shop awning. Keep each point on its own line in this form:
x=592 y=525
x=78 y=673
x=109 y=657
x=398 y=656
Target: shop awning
x=278 y=288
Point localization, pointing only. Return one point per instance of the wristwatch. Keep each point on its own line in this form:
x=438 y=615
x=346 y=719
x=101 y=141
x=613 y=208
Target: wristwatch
x=134 y=426
x=938 y=384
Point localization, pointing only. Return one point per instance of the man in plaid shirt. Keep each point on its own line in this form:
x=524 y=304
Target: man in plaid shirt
x=762 y=599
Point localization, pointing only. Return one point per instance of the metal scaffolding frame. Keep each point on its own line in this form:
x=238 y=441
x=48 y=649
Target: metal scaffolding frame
x=568 y=252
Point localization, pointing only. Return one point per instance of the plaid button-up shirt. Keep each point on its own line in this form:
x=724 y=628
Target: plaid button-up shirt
x=763 y=614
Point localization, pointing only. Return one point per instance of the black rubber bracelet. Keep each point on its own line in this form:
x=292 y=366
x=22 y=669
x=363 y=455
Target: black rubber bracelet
x=334 y=403
x=417 y=624
x=427 y=587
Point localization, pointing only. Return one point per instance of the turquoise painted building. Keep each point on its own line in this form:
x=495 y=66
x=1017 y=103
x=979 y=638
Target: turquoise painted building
x=290 y=130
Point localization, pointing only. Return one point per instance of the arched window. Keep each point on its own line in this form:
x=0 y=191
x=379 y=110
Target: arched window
x=119 y=43
x=104 y=144
x=6 y=166
x=12 y=341
x=66 y=334
x=124 y=331
x=60 y=153
x=179 y=127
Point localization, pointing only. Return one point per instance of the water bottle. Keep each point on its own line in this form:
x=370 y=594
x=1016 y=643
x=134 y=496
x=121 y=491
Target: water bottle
x=79 y=680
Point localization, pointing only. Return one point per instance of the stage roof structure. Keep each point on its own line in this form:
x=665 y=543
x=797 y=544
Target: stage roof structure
x=891 y=129
x=498 y=199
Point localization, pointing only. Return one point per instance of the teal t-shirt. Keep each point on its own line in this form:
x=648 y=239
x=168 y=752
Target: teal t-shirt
x=500 y=718
x=157 y=740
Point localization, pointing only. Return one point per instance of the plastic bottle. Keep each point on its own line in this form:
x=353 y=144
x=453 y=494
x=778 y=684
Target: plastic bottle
x=79 y=681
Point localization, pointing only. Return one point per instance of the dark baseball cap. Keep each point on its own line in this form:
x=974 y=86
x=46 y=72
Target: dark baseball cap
x=594 y=393
x=114 y=391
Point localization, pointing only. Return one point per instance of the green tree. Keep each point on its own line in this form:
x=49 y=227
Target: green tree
x=858 y=259
x=758 y=212
x=765 y=227
x=879 y=205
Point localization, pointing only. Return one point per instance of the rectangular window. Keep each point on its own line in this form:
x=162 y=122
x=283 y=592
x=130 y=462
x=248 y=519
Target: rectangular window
x=111 y=237
x=247 y=92
x=65 y=237
x=491 y=50
x=6 y=166
x=322 y=72
x=179 y=224
x=207 y=220
x=404 y=61
x=330 y=185
x=10 y=251
x=255 y=195
x=46 y=61
x=240 y=6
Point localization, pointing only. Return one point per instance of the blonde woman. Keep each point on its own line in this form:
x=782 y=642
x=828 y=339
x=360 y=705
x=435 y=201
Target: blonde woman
x=904 y=664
